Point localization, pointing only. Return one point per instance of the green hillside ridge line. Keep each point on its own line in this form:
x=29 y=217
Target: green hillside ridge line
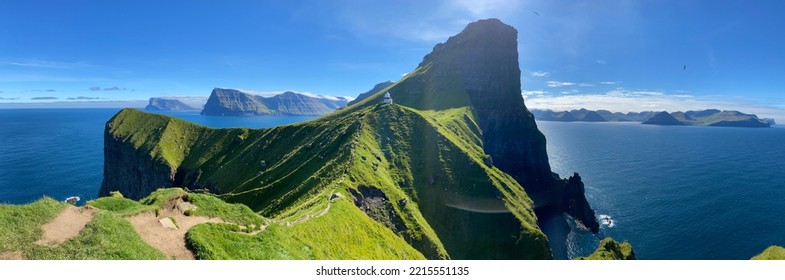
x=308 y=180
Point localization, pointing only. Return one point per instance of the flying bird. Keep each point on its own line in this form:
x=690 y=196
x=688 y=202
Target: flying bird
x=685 y=67
x=536 y=13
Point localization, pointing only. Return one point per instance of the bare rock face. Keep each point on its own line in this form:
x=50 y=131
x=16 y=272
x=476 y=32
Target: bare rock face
x=130 y=170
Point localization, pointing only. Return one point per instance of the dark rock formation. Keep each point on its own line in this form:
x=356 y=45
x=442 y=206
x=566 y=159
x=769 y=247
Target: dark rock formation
x=231 y=102
x=769 y=121
x=378 y=87
x=166 y=104
x=130 y=170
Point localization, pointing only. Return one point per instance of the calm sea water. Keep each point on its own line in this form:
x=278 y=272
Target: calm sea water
x=673 y=192
x=59 y=152
x=677 y=192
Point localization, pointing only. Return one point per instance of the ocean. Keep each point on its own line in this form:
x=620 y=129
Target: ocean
x=676 y=192
x=672 y=192
x=59 y=152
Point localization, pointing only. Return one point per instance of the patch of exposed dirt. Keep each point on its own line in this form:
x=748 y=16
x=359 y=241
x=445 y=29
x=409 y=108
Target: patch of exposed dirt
x=170 y=241
x=16 y=255
x=65 y=226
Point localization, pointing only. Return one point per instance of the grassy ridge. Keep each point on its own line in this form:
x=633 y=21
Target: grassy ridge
x=429 y=164
x=324 y=237
x=771 y=253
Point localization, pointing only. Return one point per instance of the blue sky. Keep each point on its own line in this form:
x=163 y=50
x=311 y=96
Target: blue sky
x=618 y=55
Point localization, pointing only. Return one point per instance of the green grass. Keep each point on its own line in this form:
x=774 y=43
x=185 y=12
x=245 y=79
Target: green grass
x=120 y=205
x=609 y=249
x=344 y=233
x=106 y=237
x=211 y=206
x=20 y=225
x=771 y=253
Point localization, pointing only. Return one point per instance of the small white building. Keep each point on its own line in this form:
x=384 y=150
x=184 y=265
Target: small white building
x=387 y=98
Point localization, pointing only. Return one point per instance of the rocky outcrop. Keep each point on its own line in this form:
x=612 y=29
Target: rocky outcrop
x=166 y=104
x=378 y=87
x=479 y=68
x=131 y=170
x=232 y=102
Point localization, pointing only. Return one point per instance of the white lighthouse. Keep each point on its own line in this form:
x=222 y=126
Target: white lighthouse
x=387 y=98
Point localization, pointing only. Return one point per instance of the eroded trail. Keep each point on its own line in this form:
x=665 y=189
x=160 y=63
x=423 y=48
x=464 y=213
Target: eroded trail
x=65 y=226
x=166 y=231
x=16 y=255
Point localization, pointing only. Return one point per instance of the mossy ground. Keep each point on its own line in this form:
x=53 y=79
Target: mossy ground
x=771 y=253
x=609 y=249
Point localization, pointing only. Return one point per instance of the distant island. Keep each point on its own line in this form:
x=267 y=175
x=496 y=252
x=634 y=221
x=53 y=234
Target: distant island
x=709 y=117
x=232 y=102
x=167 y=104
x=584 y=115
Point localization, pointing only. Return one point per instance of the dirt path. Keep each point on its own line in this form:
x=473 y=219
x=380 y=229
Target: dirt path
x=170 y=241
x=66 y=226
x=12 y=256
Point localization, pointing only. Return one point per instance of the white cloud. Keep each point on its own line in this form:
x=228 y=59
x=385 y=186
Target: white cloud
x=559 y=84
x=37 y=63
x=610 y=83
x=622 y=100
x=600 y=61
x=585 y=85
x=526 y=93
x=540 y=74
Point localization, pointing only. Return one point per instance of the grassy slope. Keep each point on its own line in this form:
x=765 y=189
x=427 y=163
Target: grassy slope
x=609 y=249
x=20 y=225
x=106 y=237
x=322 y=237
x=324 y=157
x=771 y=253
